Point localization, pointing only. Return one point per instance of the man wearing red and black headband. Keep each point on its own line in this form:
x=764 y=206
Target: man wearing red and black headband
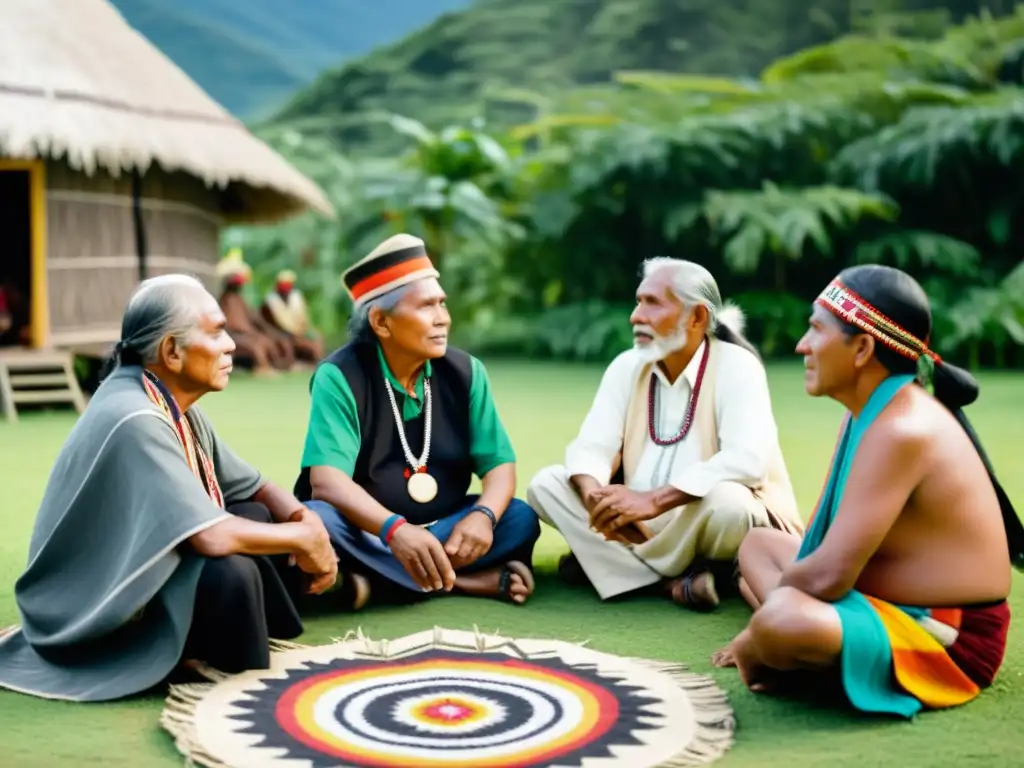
x=399 y=423
x=901 y=580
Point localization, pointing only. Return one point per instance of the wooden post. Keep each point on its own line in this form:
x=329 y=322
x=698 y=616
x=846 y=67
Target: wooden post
x=140 y=224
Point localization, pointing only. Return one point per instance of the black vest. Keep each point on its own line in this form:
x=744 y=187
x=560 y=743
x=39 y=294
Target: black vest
x=381 y=463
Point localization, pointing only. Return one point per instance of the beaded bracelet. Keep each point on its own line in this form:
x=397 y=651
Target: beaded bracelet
x=388 y=529
x=487 y=511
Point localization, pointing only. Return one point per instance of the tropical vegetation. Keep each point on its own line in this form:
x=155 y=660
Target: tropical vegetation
x=895 y=143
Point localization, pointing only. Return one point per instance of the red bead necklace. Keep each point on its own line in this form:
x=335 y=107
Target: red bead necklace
x=652 y=393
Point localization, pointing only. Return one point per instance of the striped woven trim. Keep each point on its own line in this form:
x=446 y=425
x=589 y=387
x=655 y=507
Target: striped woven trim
x=384 y=273
x=850 y=307
x=195 y=456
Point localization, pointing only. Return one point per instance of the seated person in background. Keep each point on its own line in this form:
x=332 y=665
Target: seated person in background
x=15 y=323
x=5 y=313
x=256 y=340
x=155 y=546
x=399 y=423
x=901 y=581
x=284 y=308
x=686 y=418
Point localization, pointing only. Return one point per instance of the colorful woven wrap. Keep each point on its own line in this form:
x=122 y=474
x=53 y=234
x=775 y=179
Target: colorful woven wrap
x=900 y=659
x=196 y=457
x=920 y=663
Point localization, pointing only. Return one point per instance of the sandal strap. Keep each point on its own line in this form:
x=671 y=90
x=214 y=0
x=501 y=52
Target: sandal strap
x=505 y=581
x=688 y=589
x=682 y=592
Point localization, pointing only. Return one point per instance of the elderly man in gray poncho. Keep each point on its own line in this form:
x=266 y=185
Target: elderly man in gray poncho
x=155 y=545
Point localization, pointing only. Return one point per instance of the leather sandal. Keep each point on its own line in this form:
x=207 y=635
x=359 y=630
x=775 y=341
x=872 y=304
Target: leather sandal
x=351 y=590
x=505 y=580
x=571 y=572
x=696 y=591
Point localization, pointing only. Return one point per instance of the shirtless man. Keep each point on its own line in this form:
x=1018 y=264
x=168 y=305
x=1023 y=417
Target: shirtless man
x=900 y=583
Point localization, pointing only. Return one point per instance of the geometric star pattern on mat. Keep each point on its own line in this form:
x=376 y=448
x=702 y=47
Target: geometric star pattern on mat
x=443 y=708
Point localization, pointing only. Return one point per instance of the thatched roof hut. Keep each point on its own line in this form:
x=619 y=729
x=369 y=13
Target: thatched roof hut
x=114 y=165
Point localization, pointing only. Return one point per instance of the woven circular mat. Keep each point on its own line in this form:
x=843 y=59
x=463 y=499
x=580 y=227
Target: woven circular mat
x=453 y=699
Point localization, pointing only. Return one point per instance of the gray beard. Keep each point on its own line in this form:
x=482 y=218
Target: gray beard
x=661 y=347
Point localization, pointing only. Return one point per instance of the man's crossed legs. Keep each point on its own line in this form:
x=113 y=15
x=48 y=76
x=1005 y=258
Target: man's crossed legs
x=679 y=560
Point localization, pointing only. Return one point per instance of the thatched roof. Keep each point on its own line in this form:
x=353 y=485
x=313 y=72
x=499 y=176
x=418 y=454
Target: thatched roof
x=76 y=81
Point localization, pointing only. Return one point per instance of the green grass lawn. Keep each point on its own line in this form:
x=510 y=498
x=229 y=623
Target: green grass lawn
x=542 y=405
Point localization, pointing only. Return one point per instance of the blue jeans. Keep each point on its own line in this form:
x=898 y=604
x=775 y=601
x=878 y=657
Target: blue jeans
x=514 y=538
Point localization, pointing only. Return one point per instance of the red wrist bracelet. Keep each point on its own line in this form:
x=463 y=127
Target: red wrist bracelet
x=390 y=534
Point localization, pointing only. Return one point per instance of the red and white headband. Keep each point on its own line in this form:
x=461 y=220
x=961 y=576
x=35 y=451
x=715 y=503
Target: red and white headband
x=848 y=306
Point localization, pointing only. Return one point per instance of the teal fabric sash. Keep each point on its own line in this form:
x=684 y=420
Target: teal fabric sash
x=866 y=660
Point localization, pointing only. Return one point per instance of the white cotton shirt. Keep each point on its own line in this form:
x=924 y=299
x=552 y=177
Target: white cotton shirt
x=747 y=434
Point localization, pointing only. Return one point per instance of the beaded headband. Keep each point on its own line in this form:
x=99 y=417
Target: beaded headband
x=848 y=306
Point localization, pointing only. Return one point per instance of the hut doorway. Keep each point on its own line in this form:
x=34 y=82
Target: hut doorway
x=15 y=257
x=23 y=252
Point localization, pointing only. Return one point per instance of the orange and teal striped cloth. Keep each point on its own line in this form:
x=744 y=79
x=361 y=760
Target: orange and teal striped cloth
x=901 y=659
x=920 y=663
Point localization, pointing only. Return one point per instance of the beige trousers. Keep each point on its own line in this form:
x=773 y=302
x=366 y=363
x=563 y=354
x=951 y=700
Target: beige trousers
x=710 y=528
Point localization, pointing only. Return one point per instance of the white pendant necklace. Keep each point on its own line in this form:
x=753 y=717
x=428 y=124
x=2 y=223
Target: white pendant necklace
x=421 y=486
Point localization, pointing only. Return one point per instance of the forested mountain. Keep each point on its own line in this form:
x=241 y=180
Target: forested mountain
x=501 y=59
x=251 y=55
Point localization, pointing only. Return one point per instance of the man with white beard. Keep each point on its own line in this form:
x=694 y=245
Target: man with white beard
x=679 y=455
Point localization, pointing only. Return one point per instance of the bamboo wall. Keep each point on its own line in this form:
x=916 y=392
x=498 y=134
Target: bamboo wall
x=92 y=260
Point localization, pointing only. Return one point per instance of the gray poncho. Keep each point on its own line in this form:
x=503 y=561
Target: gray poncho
x=106 y=600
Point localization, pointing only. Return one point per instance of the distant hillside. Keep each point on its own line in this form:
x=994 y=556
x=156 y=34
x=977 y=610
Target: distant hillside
x=251 y=55
x=496 y=57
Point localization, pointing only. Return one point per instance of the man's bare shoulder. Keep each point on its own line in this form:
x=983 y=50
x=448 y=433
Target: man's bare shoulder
x=915 y=417
x=913 y=435
x=900 y=437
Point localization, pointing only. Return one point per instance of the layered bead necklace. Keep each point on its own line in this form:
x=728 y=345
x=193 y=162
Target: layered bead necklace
x=691 y=409
x=421 y=486
x=684 y=430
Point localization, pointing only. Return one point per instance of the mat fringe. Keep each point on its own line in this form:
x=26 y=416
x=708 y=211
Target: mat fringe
x=713 y=734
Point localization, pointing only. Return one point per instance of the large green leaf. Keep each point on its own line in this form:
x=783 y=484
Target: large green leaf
x=893 y=57
x=786 y=221
x=909 y=249
x=937 y=145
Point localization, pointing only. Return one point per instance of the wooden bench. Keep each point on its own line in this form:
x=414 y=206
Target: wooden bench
x=37 y=376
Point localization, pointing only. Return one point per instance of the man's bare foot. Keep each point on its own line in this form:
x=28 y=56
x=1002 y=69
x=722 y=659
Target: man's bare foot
x=724 y=657
x=755 y=675
x=695 y=591
x=512 y=582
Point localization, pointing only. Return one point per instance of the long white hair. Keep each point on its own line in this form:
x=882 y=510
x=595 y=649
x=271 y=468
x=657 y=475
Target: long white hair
x=692 y=284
